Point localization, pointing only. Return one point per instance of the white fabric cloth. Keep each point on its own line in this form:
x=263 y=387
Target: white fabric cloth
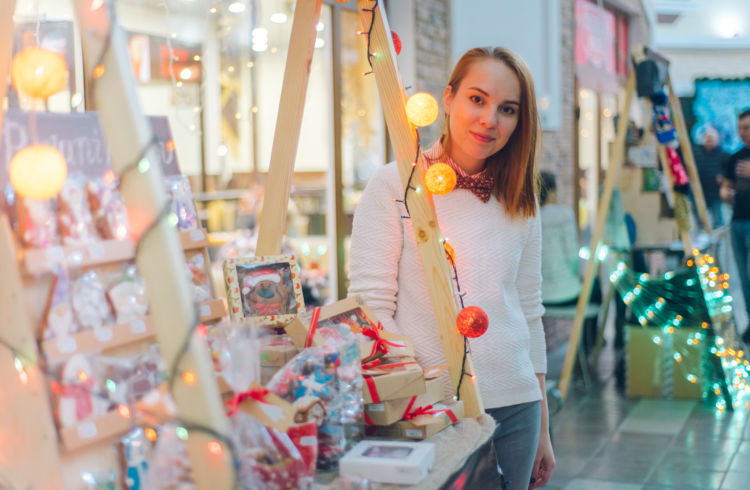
x=498 y=261
x=560 y=281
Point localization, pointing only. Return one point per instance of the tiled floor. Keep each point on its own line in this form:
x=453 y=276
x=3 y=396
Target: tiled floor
x=604 y=440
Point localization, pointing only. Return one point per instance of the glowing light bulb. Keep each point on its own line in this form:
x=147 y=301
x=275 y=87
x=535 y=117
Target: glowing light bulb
x=422 y=109
x=38 y=172
x=214 y=447
x=189 y=378
x=440 y=178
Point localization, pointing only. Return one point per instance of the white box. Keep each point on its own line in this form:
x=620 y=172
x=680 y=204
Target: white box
x=389 y=461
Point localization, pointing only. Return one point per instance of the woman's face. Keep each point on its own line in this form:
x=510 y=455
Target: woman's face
x=483 y=112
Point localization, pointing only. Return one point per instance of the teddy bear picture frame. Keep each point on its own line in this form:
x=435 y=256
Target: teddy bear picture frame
x=265 y=290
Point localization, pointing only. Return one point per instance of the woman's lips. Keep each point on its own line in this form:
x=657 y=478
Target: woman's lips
x=482 y=138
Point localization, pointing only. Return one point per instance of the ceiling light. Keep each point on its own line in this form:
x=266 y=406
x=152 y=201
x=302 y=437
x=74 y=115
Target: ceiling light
x=236 y=7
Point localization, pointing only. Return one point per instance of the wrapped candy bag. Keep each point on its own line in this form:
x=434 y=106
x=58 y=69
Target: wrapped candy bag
x=108 y=210
x=178 y=188
x=96 y=480
x=150 y=370
x=133 y=454
x=90 y=302
x=37 y=227
x=60 y=321
x=196 y=269
x=73 y=214
x=268 y=458
x=333 y=374
x=168 y=465
x=78 y=395
x=235 y=350
x=127 y=295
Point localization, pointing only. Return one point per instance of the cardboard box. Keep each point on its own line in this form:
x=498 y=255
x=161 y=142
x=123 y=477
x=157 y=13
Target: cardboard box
x=442 y=415
x=393 y=378
x=354 y=313
x=405 y=463
x=391 y=411
x=277 y=353
x=659 y=363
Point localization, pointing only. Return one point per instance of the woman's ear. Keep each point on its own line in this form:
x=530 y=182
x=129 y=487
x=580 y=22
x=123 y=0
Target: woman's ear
x=447 y=99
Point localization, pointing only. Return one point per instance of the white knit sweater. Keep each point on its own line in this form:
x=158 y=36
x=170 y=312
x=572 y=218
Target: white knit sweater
x=498 y=261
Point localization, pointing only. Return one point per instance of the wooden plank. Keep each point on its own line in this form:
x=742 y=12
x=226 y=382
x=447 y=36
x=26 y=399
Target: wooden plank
x=161 y=260
x=423 y=218
x=288 y=124
x=689 y=158
x=99 y=340
x=39 y=261
x=7 y=9
x=615 y=163
x=29 y=438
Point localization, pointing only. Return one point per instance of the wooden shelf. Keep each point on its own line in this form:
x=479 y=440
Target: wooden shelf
x=37 y=261
x=105 y=338
x=212 y=310
x=94 y=429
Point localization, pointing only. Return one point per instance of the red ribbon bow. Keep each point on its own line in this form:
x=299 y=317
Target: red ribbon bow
x=381 y=344
x=428 y=410
x=257 y=393
x=81 y=393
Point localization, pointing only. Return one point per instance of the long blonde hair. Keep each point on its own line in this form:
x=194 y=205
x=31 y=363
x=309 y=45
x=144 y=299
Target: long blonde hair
x=514 y=165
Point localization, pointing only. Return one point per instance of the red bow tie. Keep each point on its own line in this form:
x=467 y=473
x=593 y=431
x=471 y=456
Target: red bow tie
x=482 y=186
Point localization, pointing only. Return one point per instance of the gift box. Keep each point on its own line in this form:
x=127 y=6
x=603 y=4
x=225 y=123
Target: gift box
x=391 y=411
x=392 y=378
x=668 y=365
x=308 y=329
x=405 y=463
x=277 y=352
x=421 y=422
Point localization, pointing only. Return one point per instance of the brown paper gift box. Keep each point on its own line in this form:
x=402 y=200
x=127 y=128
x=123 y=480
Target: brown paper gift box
x=653 y=371
x=422 y=426
x=391 y=411
x=357 y=315
x=392 y=378
x=276 y=354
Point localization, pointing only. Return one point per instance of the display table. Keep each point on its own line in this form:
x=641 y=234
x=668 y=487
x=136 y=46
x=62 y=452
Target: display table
x=453 y=447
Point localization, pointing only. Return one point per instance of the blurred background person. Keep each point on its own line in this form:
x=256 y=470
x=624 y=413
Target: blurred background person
x=710 y=158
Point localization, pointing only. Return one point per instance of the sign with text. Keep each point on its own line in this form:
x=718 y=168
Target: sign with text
x=78 y=136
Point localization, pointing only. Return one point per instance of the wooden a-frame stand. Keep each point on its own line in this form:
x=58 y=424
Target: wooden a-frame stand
x=35 y=455
x=615 y=163
x=403 y=138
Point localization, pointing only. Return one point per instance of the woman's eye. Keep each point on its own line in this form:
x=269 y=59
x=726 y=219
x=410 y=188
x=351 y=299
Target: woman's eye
x=508 y=110
x=476 y=99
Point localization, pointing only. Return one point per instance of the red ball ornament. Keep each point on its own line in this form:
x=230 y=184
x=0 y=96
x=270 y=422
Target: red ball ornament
x=472 y=321
x=396 y=42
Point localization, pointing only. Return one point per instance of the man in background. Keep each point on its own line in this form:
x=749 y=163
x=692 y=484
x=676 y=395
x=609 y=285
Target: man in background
x=710 y=158
x=735 y=190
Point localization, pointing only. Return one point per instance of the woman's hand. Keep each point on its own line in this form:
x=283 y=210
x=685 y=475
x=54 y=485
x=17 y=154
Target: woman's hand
x=543 y=463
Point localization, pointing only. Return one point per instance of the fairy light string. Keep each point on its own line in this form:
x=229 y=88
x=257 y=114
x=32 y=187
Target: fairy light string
x=405 y=202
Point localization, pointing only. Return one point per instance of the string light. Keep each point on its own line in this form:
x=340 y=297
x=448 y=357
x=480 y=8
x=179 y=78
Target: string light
x=38 y=172
x=214 y=447
x=440 y=178
x=38 y=72
x=189 y=378
x=422 y=109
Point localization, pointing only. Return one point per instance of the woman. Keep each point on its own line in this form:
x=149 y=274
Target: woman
x=492 y=224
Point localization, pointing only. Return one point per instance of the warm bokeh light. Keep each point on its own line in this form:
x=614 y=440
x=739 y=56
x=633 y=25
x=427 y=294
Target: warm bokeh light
x=38 y=172
x=188 y=377
x=38 y=72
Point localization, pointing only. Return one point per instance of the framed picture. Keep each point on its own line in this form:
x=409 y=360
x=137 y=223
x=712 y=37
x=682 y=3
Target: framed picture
x=266 y=289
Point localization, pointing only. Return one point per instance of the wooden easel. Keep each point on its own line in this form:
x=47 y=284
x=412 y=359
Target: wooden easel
x=160 y=261
x=616 y=161
x=403 y=138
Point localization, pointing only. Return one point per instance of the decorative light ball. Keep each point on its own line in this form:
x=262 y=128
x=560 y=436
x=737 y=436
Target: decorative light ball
x=450 y=254
x=38 y=172
x=472 y=321
x=422 y=109
x=396 y=42
x=38 y=72
x=440 y=178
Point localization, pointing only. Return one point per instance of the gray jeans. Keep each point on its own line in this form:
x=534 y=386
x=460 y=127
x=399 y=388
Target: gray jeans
x=516 y=439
